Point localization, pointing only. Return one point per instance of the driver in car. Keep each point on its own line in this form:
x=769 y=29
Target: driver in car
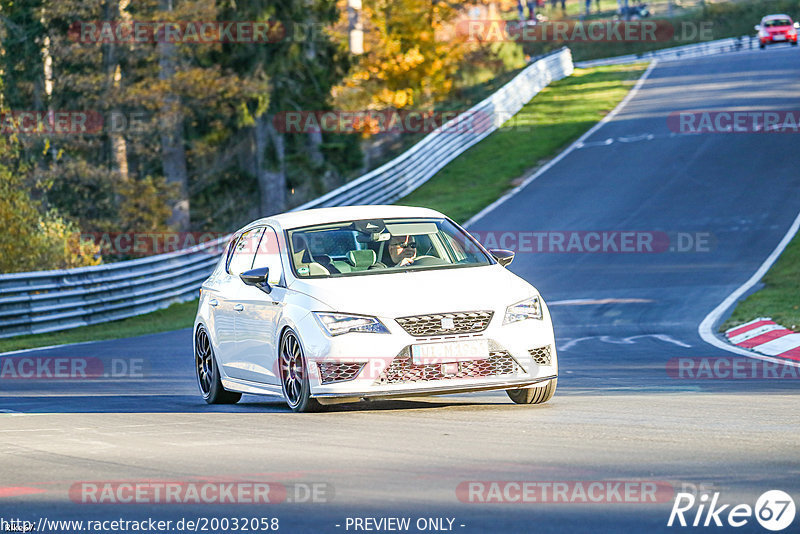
x=402 y=250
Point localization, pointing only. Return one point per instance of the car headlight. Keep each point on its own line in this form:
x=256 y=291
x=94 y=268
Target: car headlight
x=341 y=323
x=527 y=309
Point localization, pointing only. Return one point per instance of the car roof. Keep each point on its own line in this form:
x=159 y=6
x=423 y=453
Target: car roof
x=772 y=17
x=296 y=219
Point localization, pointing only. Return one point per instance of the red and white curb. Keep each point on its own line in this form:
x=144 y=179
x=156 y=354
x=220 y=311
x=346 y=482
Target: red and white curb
x=765 y=336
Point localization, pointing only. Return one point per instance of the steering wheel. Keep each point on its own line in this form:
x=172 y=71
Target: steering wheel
x=428 y=261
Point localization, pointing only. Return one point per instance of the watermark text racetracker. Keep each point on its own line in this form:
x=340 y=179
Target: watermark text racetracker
x=734 y=121
x=595 y=241
x=53 y=122
x=149 y=243
x=196 y=32
x=388 y=121
x=80 y=122
x=565 y=492
x=199 y=492
x=70 y=368
x=648 y=31
x=571 y=241
x=729 y=368
x=184 y=32
x=184 y=524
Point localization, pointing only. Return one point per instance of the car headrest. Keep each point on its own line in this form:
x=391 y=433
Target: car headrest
x=361 y=259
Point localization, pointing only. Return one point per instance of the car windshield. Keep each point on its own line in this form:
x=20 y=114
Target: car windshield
x=381 y=246
x=777 y=22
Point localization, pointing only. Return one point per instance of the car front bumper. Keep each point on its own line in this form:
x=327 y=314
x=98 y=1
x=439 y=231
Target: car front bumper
x=372 y=366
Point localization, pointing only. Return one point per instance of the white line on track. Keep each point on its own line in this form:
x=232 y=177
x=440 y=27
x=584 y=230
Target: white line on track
x=48 y=347
x=707 y=325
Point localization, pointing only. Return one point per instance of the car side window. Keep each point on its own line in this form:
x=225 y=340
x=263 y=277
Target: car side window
x=268 y=255
x=244 y=252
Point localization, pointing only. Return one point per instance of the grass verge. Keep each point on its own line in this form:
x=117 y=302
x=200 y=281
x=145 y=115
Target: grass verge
x=174 y=317
x=780 y=296
x=555 y=117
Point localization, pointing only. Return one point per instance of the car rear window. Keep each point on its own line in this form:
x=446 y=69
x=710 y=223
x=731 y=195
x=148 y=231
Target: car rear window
x=777 y=22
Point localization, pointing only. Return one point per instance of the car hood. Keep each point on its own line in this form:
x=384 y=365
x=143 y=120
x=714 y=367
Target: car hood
x=419 y=292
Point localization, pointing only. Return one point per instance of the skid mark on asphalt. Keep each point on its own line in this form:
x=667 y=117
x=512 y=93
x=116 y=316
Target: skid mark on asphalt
x=630 y=340
x=587 y=302
x=624 y=139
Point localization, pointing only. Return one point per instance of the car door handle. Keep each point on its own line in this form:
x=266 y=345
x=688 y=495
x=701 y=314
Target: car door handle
x=213 y=302
x=238 y=307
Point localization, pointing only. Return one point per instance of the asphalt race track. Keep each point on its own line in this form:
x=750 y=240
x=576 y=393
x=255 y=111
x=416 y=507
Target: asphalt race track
x=617 y=416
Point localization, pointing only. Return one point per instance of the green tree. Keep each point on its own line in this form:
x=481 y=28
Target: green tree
x=301 y=68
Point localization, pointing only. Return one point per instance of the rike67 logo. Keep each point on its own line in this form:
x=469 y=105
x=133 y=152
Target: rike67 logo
x=774 y=510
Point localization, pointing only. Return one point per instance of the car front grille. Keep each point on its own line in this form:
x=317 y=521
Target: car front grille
x=402 y=370
x=541 y=355
x=437 y=324
x=330 y=372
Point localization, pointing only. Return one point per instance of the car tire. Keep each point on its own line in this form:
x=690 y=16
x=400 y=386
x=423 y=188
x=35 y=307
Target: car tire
x=207 y=372
x=762 y=46
x=535 y=395
x=794 y=43
x=294 y=375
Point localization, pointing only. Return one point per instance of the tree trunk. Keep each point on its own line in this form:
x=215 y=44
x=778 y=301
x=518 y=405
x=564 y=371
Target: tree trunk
x=111 y=69
x=173 y=152
x=271 y=181
x=314 y=150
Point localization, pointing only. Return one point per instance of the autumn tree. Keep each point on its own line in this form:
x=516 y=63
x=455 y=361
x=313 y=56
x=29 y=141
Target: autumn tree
x=408 y=60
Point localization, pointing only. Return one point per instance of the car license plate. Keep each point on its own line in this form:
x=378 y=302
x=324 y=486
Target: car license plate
x=778 y=37
x=449 y=351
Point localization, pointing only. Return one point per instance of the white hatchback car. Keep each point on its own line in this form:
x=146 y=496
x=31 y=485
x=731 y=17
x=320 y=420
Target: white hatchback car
x=368 y=302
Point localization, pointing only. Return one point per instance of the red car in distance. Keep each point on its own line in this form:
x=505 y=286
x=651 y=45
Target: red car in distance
x=777 y=29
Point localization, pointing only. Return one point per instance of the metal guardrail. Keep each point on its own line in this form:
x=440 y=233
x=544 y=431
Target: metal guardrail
x=731 y=44
x=48 y=301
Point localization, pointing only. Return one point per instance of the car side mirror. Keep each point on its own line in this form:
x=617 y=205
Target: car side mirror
x=503 y=257
x=257 y=278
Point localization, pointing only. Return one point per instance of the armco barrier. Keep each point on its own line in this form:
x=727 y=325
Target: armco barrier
x=48 y=301
x=720 y=46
